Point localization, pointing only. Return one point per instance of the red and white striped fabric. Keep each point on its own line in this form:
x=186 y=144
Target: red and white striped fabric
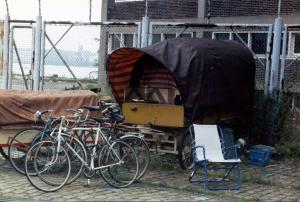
x=120 y=69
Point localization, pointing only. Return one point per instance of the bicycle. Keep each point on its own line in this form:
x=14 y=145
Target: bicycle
x=112 y=155
x=128 y=134
x=22 y=141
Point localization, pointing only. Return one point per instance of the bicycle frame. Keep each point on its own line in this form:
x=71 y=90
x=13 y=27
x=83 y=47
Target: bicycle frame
x=92 y=163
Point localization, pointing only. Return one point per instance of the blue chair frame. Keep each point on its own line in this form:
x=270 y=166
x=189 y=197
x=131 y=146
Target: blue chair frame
x=228 y=167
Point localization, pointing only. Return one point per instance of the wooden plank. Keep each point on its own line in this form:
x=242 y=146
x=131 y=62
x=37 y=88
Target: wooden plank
x=155 y=114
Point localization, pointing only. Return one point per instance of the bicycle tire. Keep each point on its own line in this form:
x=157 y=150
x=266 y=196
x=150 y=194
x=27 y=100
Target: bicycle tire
x=112 y=175
x=3 y=152
x=142 y=150
x=37 y=161
x=18 y=148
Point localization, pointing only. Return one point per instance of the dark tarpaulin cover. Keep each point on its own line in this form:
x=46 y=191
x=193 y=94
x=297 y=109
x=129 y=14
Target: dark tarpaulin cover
x=212 y=76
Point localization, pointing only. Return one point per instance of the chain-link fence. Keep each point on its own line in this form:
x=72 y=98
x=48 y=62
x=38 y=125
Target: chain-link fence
x=70 y=56
x=74 y=54
x=21 y=60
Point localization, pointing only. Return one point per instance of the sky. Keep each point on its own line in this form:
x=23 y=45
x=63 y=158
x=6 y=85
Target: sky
x=58 y=10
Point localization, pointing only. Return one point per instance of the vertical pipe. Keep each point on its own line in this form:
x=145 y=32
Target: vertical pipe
x=283 y=57
x=10 y=62
x=276 y=55
x=146 y=7
x=139 y=35
x=150 y=38
x=37 y=53
x=268 y=60
x=32 y=56
x=4 y=84
x=42 y=57
x=145 y=31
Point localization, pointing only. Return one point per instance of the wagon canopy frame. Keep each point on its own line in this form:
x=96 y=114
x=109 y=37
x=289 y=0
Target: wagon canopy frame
x=212 y=76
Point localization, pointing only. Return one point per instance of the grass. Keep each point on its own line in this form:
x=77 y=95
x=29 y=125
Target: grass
x=296 y=186
x=164 y=162
x=251 y=178
x=199 y=189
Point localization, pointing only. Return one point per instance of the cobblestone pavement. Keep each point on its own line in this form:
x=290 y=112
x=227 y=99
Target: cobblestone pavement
x=14 y=186
x=280 y=181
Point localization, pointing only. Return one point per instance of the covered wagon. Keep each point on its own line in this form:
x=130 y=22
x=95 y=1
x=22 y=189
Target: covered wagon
x=177 y=82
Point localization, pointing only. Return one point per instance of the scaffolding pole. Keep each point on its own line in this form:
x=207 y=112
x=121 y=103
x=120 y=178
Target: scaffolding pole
x=37 y=53
x=268 y=60
x=274 y=79
x=4 y=84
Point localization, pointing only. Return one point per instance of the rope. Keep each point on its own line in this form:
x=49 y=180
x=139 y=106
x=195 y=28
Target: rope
x=7 y=10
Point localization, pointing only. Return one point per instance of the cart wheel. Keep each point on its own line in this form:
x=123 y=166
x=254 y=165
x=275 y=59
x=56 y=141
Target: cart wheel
x=184 y=151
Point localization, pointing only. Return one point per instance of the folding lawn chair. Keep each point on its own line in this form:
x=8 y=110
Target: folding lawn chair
x=208 y=149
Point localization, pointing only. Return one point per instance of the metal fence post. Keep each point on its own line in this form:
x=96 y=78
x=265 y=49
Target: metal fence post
x=42 y=74
x=282 y=66
x=268 y=60
x=37 y=53
x=4 y=84
x=139 y=38
x=10 y=60
x=276 y=55
x=145 y=31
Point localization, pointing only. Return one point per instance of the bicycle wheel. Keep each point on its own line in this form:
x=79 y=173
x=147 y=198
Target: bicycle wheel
x=19 y=146
x=76 y=163
x=4 y=152
x=142 y=151
x=119 y=164
x=46 y=168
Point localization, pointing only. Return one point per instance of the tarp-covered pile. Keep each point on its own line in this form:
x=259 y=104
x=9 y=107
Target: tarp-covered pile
x=18 y=107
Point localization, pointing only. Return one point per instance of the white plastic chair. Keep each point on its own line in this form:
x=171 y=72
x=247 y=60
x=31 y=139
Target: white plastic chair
x=207 y=148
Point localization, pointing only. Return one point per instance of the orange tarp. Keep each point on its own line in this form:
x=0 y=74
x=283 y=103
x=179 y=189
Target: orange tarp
x=17 y=106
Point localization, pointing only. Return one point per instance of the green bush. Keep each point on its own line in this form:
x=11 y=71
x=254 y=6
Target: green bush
x=289 y=146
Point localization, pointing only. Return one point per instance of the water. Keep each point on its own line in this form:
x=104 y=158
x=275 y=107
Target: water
x=81 y=72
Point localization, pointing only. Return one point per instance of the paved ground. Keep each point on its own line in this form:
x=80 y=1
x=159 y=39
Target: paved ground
x=14 y=186
x=280 y=181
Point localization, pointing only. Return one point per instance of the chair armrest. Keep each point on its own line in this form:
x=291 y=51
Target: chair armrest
x=231 y=151
x=194 y=151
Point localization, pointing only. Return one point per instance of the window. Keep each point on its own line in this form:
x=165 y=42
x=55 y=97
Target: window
x=222 y=36
x=116 y=41
x=156 y=38
x=121 y=40
x=243 y=36
x=259 y=43
x=297 y=43
x=169 y=36
x=185 y=35
x=287 y=44
x=128 y=40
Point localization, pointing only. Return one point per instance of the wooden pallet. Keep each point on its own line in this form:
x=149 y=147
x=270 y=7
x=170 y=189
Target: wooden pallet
x=162 y=142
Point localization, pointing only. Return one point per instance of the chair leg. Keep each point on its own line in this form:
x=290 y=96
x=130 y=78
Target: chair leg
x=236 y=186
